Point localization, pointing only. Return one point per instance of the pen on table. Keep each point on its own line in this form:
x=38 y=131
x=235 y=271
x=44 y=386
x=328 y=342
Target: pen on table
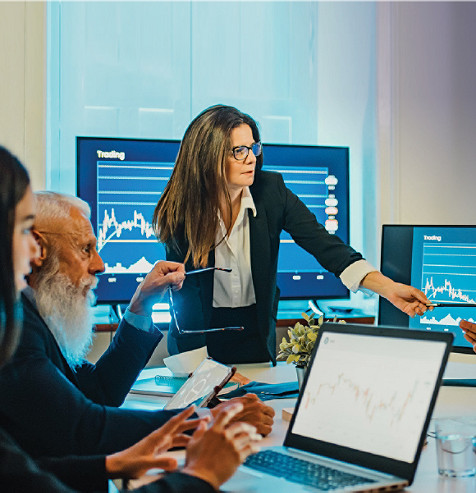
x=198 y=271
x=451 y=305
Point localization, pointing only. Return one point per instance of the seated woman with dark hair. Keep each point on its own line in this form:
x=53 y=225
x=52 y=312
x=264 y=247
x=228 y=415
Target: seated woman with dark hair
x=212 y=455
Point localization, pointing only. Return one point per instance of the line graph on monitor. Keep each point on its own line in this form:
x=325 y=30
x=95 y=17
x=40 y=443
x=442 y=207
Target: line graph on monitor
x=128 y=192
x=366 y=399
x=448 y=275
x=449 y=272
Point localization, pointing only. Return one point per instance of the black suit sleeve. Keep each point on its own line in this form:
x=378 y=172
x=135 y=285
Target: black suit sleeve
x=47 y=412
x=329 y=250
x=48 y=415
x=110 y=379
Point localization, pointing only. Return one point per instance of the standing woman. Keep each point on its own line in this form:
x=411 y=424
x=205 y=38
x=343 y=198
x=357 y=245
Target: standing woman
x=220 y=209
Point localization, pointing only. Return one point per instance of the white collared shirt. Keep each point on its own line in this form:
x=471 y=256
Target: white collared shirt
x=234 y=289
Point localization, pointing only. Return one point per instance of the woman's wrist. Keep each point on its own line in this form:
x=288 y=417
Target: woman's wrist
x=378 y=283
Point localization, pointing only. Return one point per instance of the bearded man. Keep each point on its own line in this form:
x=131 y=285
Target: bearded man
x=58 y=403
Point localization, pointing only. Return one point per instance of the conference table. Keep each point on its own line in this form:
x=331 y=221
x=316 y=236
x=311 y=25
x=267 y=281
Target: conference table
x=452 y=401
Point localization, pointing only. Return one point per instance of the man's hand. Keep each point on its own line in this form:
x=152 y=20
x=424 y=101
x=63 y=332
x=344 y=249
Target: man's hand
x=163 y=275
x=254 y=412
x=214 y=454
x=469 y=330
x=144 y=455
x=406 y=298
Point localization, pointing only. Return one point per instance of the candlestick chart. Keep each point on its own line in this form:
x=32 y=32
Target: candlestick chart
x=387 y=398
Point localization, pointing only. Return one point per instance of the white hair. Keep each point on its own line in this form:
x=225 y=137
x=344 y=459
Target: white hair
x=66 y=311
x=52 y=206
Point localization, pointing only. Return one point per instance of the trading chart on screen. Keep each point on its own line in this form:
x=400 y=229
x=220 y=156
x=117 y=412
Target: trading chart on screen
x=444 y=268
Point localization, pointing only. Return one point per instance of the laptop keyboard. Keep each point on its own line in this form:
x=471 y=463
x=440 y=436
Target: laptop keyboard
x=302 y=471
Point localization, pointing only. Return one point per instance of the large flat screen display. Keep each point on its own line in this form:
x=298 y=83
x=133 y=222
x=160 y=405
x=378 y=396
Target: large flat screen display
x=439 y=260
x=122 y=180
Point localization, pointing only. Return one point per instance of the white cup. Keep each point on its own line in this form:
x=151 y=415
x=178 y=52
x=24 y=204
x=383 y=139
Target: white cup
x=182 y=364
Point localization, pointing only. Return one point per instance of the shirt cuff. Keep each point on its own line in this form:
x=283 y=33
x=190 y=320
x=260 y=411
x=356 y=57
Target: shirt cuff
x=140 y=322
x=353 y=275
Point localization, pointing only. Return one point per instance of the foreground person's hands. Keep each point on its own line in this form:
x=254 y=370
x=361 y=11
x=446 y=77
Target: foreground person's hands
x=135 y=461
x=254 y=412
x=215 y=453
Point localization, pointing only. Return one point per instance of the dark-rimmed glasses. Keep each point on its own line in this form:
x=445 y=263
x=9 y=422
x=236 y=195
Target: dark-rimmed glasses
x=193 y=332
x=241 y=152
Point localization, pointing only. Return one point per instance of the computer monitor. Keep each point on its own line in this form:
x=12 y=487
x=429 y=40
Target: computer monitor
x=439 y=260
x=122 y=180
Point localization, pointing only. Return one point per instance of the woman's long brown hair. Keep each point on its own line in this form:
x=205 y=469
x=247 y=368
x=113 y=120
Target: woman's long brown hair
x=188 y=208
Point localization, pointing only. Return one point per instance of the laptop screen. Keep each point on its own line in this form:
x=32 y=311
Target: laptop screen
x=370 y=392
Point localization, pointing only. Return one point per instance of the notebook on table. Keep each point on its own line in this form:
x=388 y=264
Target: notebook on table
x=361 y=417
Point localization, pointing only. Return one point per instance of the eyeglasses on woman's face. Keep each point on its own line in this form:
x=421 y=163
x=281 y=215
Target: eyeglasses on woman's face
x=241 y=152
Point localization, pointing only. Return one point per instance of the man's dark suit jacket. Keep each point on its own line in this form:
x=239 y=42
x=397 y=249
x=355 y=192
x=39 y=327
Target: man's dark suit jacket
x=277 y=209
x=18 y=472
x=51 y=410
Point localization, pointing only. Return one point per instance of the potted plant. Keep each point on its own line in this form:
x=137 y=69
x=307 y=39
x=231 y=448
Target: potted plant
x=298 y=348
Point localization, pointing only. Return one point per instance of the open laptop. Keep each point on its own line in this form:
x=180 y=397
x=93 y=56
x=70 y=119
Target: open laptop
x=361 y=417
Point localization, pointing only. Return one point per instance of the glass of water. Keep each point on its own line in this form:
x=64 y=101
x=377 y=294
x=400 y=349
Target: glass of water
x=456 y=446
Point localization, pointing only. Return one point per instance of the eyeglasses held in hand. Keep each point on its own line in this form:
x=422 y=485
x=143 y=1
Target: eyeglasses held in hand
x=193 y=332
x=241 y=152
x=206 y=269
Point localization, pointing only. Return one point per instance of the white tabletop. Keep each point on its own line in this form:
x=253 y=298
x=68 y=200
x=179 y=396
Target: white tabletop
x=452 y=401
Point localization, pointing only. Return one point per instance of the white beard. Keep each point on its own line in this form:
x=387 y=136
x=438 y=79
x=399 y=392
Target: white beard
x=68 y=313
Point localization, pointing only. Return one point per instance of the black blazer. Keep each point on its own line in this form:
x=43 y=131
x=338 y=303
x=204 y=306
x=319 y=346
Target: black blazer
x=277 y=209
x=51 y=410
x=18 y=472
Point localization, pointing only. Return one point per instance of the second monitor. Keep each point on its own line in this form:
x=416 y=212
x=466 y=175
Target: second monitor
x=439 y=260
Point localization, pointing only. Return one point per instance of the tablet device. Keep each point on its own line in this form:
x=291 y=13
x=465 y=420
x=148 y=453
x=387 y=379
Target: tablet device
x=202 y=386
